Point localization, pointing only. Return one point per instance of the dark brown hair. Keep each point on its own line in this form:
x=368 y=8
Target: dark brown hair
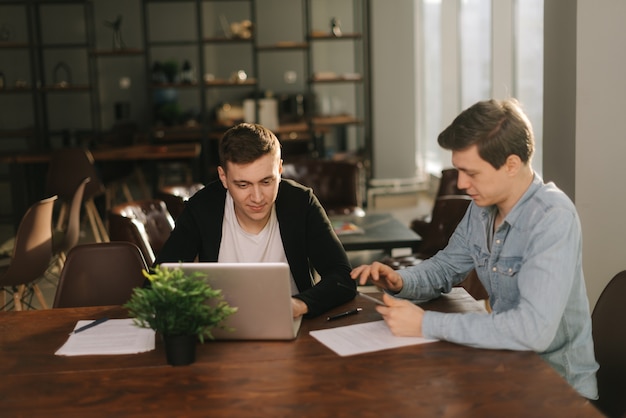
x=499 y=128
x=247 y=142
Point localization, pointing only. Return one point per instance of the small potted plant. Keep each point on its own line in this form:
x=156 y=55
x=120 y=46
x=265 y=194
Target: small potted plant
x=182 y=307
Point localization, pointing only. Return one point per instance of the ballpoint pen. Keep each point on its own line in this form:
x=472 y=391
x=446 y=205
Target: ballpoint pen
x=89 y=325
x=341 y=315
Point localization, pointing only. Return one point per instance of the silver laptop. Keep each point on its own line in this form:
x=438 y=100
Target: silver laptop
x=260 y=291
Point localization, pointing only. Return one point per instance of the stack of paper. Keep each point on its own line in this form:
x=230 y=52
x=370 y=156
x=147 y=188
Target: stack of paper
x=363 y=338
x=115 y=336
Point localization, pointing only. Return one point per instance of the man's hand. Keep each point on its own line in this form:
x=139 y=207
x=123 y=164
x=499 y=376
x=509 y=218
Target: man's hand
x=298 y=307
x=403 y=318
x=380 y=275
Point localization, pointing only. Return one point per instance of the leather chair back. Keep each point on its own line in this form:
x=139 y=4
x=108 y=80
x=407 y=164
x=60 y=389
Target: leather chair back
x=175 y=196
x=609 y=338
x=145 y=223
x=337 y=184
x=100 y=274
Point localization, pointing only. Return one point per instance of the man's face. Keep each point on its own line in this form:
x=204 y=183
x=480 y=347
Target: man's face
x=253 y=187
x=486 y=185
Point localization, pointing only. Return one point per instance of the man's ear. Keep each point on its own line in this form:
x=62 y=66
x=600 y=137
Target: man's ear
x=222 y=175
x=513 y=164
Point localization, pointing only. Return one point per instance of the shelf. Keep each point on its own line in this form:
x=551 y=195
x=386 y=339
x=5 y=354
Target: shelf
x=336 y=120
x=15 y=90
x=352 y=78
x=14 y=45
x=284 y=46
x=67 y=89
x=315 y=36
x=228 y=83
x=225 y=40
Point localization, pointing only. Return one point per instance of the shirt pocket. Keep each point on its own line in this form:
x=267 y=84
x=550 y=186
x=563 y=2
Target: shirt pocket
x=504 y=273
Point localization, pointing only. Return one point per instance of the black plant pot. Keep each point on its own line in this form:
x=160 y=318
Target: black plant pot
x=180 y=350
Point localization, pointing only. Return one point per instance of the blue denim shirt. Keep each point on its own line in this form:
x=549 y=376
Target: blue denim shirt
x=532 y=270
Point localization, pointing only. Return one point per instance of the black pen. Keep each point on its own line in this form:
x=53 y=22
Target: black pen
x=341 y=315
x=89 y=325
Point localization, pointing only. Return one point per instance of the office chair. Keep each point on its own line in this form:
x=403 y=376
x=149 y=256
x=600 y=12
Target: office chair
x=609 y=338
x=100 y=274
x=145 y=223
x=31 y=256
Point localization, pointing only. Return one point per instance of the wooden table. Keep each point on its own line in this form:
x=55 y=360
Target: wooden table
x=381 y=232
x=300 y=378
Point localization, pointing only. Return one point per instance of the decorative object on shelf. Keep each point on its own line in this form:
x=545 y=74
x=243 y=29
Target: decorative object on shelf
x=167 y=111
x=170 y=69
x=2 y=80
x=62 y=74
x=239 y=76
x=21 y=84
x=186 y=74
x=228 y=114
x=116 y=25
x=6 y=32
x=182 y=307
x=241 y=30
x=335 y=27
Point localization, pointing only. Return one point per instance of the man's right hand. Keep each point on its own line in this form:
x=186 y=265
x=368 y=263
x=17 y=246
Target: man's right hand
x=381 y=275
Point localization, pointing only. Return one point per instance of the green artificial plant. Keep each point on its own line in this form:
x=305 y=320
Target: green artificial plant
x=178 y=303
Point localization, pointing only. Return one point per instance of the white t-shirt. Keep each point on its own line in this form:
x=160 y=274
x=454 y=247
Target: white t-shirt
x=239 y=246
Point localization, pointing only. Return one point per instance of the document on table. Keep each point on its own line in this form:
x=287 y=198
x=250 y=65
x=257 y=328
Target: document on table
x=363 y=338
x=115 y=336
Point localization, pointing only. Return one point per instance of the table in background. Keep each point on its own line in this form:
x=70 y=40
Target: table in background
x=381 y=231
x=275 y=378
x=24 y=184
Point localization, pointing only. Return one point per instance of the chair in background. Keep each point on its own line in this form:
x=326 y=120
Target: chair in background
x=100 y=274
x=65 y=237
x=67 y=169
x=609 y=338
x=145 y=223
x=31 y=257
x=175 y=196
x=337 y=184
x=447 y=187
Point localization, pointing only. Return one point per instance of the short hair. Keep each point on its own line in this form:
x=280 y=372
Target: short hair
x=499 y=128
x=247 y=142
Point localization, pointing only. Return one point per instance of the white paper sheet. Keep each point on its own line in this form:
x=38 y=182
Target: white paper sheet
x=363 y=338
x=115 y=336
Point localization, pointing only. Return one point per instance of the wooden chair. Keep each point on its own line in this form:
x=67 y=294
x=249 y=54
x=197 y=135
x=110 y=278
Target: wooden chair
x=176 y=195
x=67 y=169
x=100 y=274
x=145 y=223
x=31 y=257
x=609 y=338
x=337 y=184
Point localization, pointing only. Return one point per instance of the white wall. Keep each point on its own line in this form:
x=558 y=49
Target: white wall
x=601 y=139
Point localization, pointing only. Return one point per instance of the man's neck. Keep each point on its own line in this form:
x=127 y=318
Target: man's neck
x=519 y=187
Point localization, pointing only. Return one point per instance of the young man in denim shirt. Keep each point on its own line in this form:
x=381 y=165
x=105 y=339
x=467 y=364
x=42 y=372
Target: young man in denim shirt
x=524 y=239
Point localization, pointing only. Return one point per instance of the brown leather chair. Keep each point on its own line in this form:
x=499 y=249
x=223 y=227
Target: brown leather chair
x=609 y=338
x=447 y=187
x=337 y=184
x=31 y=256
x=100 y=274
x=145 y=223
x=175 y=196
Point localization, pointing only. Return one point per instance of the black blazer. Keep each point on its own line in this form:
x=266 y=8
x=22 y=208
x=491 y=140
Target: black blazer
x=307 y=235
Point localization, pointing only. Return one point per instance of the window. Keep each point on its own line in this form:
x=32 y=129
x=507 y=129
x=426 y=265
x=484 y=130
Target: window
x=472 y=50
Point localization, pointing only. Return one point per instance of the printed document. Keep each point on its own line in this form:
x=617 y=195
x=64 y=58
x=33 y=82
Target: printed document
x=115 y=336
x=363 y=338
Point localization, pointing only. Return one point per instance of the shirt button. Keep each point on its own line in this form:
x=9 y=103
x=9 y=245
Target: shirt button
x=497 y=241
x=493 y=269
